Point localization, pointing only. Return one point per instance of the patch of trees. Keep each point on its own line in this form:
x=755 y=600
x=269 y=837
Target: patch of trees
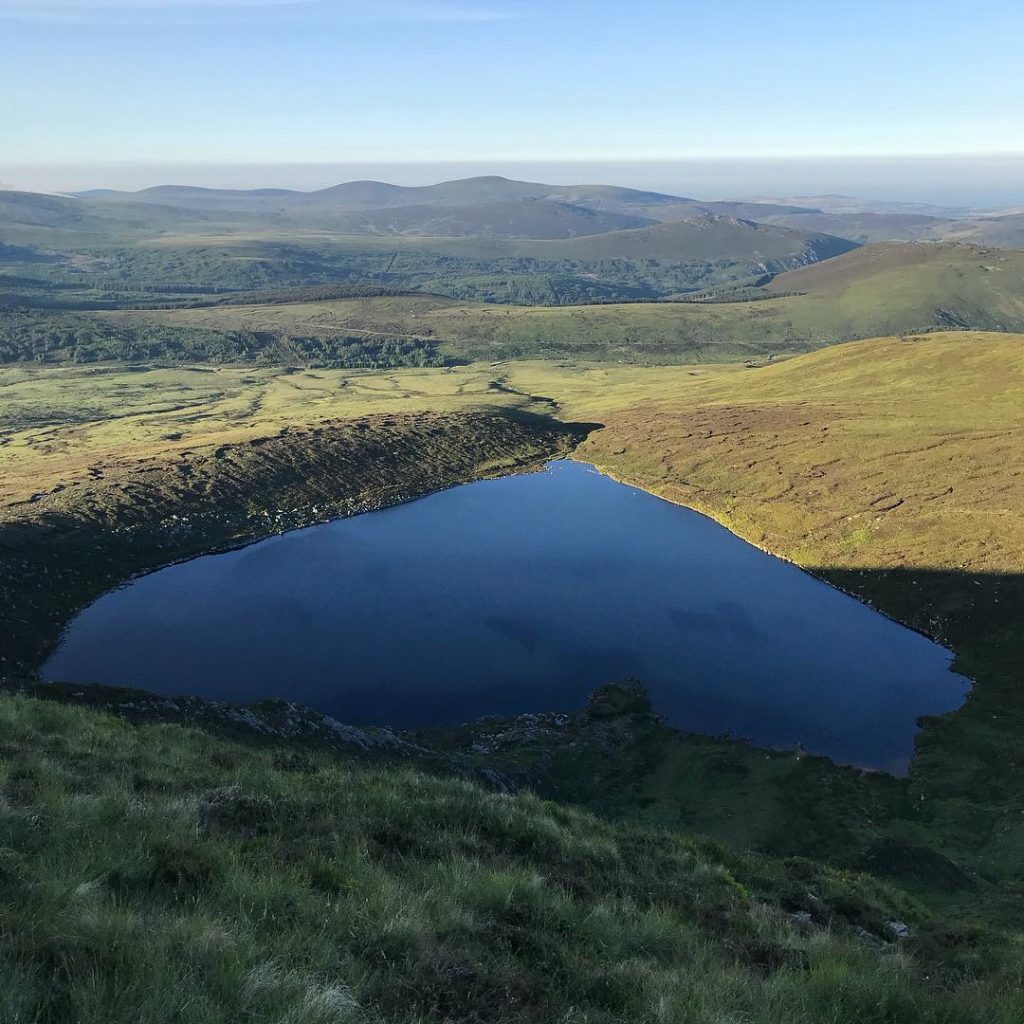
x=27 y=336
x=309 y=293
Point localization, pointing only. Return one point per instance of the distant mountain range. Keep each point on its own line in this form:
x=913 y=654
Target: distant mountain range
x=516 y=238
x=492 y=207
x=488 y=207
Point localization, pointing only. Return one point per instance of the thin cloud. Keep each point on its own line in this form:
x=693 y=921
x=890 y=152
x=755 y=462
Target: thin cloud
x=30 y=8
x=86 y=11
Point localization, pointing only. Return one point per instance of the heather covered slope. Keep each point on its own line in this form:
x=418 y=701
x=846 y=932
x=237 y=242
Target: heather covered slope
x=893 y=469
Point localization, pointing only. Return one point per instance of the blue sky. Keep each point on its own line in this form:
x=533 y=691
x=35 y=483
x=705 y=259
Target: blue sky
x=418 y=80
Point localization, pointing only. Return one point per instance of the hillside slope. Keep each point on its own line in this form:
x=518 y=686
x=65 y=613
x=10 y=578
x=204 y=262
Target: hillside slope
x=709 y=237
x=863 y=228
x=883 y=288
x=408 y=205
x=522 y=218
x=1007 y=231
x=323 y=889
x=87 y=255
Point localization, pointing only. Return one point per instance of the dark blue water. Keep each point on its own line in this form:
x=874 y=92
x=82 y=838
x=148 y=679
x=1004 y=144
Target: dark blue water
x=523 y=594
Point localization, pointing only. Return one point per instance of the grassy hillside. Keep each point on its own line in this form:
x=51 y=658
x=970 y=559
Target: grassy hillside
x=38 y=221
x=893 y=469
x=927 y=418
x=885 y=288
x=154 y=873
x=881 y=289
x=708 y=238
x=65 y=429
x=30 y=208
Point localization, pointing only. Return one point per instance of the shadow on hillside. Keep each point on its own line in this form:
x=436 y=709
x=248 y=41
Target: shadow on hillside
x=59 y=553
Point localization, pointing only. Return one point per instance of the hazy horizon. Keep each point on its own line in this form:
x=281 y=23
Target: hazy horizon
x=978 y=181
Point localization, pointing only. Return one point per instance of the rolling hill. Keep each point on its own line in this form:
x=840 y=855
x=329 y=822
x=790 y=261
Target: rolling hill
x=490 y=206
x=843 y=204
x=886 y=287
x=350 y=195
x=863 y=228
x=494 y=239
x=30 y=218
x=75 y=225
x=1006 y=231
x=460 y=192
x=865 y=221
x=377 y=195
x=517 y=218
x=708 y=237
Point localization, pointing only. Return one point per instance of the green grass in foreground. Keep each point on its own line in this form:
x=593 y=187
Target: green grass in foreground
x=158 y=874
